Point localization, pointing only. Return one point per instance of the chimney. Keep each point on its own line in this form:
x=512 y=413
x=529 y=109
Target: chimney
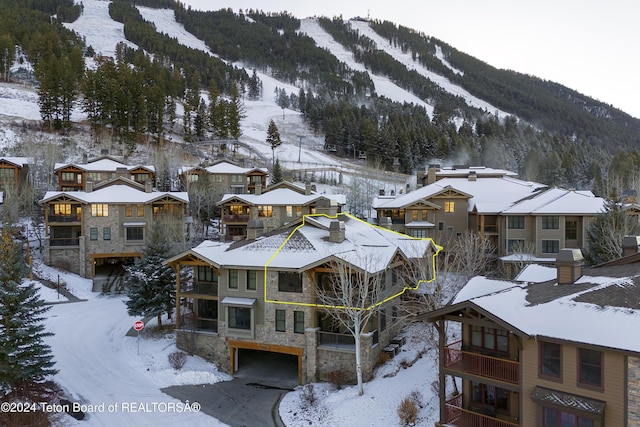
x=630 y=245
x=569 y=265
x=431 y=173
x=148 y=186
x=88 y=186
x=85 y=159
x=258 y=189
x=122 y=173
x=473 y=176
x=307 y=188
x=255 y=229
x=381 y=192
x=336 y=231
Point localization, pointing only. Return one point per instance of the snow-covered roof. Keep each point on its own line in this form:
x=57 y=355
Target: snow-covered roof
x=483 y=193
x=18 y=161
x=600 y=308
x=115 y=194
x=280 y=197
x=479 y=171
x=556 y=201
x=365 y=246
x=222 y=167
x=102 y=165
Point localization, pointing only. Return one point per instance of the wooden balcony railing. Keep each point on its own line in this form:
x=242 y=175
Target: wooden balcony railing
x=63 y=218
x=200 y=288
x=342 y=341
x=478 y=364
x=235 y=218
x=456 y=415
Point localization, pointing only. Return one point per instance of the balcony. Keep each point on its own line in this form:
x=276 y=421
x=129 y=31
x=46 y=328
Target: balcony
x=492 y=367
x=200 y=288
x=63 y=218
x=235 y=218
x=341 y=341
x=63 y=242
x=456 y=415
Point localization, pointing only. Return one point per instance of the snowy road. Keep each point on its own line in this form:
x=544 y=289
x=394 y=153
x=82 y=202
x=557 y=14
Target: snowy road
x=99 y=365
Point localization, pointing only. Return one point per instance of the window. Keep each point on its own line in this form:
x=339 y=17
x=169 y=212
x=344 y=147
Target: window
x=550 y=246
x=207 y=274
x=515 y=223
x=490 y=338
x=289 y=211
x=62 y=209
x=589 y=367
x=239 y=318
x=550 y=360
x=556 y=418
x=128 y=210
x=298 y=322
x=414 y=214
x=106 y=233
x=233 y=279
x=298 y=210
x=490 y=395
x=93 y=233
x=251 y=280
x=217 y=178
x=419 y=233
x=99 y=209
x=71 y=177
x=265 y=211
x=135 y=233
x=139 y=211
x=550 y=222
x=571 y=230
x=515 y=245
x=289 y=282
x=281 y=320
x=441 y=226
x=383 y=320
x=449 y=207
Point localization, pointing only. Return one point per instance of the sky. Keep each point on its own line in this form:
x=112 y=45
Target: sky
x=586 y=45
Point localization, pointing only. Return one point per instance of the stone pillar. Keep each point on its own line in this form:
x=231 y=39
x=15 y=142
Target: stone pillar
x=311 y=350
x=633 y=391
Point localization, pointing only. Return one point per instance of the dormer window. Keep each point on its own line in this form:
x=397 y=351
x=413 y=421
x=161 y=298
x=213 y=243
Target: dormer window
x=449 y=207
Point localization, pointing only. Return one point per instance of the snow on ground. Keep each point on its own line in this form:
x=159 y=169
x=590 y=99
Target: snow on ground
x=405 y=58
x=99 y=30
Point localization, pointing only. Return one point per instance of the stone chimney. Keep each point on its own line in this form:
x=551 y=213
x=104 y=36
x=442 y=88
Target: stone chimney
x=336 y=231
x=257 y=189
x=85 y=159
x=327 y=206
x=431 y=173
x=384 y=221
x=122 y=173
x=630 y=245
x=569 y=265
x=307 y=188
x=88 y=186
x=473 y=176
x=255 y=229
x=148 y=186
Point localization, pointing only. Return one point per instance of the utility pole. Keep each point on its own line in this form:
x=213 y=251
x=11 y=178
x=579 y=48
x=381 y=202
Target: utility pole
x=300 y=147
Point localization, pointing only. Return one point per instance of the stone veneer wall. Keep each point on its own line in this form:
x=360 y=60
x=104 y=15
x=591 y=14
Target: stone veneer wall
x=334 y=359
x=633 y=393
x=209 y=346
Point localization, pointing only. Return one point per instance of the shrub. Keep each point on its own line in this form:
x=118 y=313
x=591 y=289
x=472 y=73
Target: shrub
x=177 y=359
x=337 y=378
x=308 y=396
x=408 y=412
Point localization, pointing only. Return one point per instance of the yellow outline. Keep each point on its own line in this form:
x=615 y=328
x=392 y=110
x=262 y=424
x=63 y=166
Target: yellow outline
x=404 y=289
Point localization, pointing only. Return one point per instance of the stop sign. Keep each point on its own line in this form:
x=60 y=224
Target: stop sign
x=138 y=325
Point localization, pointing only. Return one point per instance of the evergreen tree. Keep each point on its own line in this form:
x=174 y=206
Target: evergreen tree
x=25 y=360
x=277 y=173
x=152 y=284
x=273 y=139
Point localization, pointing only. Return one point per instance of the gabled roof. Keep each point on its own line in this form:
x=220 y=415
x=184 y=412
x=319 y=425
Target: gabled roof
x=17 y=161
x=224 y=167
x=102 y=164
x=556 y=201
x=116 y=194
x=366 y=247
x=277 y=197
x=487 y=195
x=598 y=309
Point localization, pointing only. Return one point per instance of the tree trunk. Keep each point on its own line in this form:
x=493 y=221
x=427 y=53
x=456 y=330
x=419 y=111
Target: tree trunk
x=159 y=320
x=356 y=335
